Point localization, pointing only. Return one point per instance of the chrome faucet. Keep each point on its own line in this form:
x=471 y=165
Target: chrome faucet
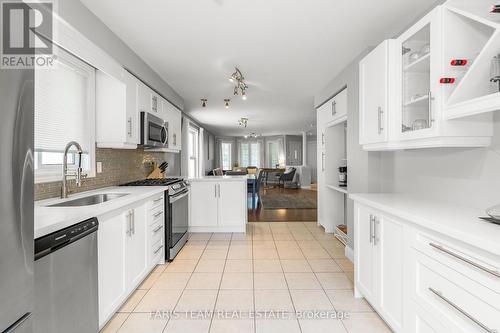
x=78 y=174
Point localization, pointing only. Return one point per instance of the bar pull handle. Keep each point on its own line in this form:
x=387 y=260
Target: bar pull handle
x=470 y=262
x=380 y=114
x=371 y=228
x=462 y=311
x=158 y=249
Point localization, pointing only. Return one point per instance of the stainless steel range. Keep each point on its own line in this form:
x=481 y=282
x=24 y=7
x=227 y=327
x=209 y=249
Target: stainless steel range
x=176 y=212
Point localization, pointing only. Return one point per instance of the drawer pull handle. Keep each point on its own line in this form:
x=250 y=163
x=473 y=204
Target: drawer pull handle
x=463 y=312
x=157 y=214
x=470 y=262
x=157 y=229
x=158 y=249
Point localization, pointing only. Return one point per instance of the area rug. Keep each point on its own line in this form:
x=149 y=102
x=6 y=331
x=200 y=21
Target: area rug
x=303 y=199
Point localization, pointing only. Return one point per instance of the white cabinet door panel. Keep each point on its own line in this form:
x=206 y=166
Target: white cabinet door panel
x=389 y=235
x=373 y=91
x=232 y=203
x=203 y=203
x=136 y=251
x=364 y=252
x=111 y=265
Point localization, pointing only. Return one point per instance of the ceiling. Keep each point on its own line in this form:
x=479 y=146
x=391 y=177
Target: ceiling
x=288 y=51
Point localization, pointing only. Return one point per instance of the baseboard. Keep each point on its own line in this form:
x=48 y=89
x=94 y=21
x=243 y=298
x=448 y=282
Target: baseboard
x=349 y=253
x=238 y=229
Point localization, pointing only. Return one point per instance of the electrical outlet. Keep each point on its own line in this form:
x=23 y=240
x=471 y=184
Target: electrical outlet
x=99 y=167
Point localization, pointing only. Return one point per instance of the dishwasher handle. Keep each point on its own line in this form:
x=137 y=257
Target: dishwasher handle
x=59 y=239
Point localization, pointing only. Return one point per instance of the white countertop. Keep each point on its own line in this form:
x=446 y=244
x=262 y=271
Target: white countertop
x=459 y=222
x=219 y=179
x=50 y=219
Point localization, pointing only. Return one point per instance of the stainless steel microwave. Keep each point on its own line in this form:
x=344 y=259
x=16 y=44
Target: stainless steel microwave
x=154 y=131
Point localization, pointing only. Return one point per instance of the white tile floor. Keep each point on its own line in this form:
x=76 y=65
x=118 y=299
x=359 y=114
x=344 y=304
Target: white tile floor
x=267 y=280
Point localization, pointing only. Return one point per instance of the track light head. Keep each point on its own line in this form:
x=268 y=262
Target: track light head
x=204 y=102
x=226 y=103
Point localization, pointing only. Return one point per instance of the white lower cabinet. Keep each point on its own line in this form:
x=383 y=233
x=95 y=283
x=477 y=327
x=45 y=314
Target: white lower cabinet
x=218 y=206
x=111 y=265
x=420 y=281
x=379 y=263
x=122 y=257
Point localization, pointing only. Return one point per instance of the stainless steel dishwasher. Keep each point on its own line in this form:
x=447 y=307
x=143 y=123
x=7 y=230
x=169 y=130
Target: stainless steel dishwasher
x=66 y=280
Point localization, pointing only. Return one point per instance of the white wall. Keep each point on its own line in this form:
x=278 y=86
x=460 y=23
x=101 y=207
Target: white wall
x=462 y=176
x=83 y=20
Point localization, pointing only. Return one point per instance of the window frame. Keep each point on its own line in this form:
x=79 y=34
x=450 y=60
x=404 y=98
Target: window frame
x=230 y=144
x=51 y=173
x=251 y=153
x=194 y=155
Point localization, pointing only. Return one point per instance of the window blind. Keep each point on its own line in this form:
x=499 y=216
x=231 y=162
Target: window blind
x=64 y=104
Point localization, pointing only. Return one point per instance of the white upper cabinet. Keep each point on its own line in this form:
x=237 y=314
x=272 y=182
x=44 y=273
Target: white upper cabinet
x=420 y=79
x=119 y=103
x=334 y=110
x=117 y=123
x=374 y=91
x=472 y=33
x=174 y=118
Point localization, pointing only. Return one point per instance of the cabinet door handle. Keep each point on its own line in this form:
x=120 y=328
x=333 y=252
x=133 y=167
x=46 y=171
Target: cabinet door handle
x=218 y=186
x=322 y=161
x=174 y=139
x=215 y=190
x=380 y=113
x=334 y=108
x=431 y=116
x=157 y=229
x=462 y=311
x=157 y=214
x=129 y=224
x=132 y=217
x=371 y=228
x=375 y=223
x=129 y=121
x=322 y=138
x=470 y=262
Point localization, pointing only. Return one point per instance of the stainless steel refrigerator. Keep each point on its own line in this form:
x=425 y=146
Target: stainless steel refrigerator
x=16 y=199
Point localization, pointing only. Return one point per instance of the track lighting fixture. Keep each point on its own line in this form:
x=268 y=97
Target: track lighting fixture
x=239 y=83
x=226 y=103
x=251 y=135
x=243 y=122
x=204 y=102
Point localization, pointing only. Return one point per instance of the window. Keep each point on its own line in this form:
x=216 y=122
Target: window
x=226 y=148
x=193 y=142
x=64 y=112
x=250 y=154
x=273 y=157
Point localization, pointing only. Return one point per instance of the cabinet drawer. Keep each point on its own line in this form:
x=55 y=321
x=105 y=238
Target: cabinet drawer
x=156 y=252
x=156 y=216
x=462 y=304
x=156 y=232
x=156 y=203
x=482 y=269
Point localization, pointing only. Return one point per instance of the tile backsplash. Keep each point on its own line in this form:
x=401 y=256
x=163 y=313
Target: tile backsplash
x=118 y=166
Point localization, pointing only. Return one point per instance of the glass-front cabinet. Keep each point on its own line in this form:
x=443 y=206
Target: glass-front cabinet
x=419 y=63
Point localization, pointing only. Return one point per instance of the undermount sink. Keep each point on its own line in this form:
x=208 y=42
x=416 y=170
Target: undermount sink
x=90 y=200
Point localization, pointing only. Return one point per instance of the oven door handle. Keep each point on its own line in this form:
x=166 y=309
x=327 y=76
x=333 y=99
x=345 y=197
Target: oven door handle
x=178 y=197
